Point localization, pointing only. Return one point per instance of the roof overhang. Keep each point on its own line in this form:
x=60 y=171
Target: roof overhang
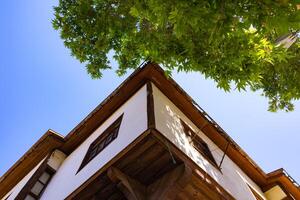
x=155 y=171
x=46 y=144
x=155 y=74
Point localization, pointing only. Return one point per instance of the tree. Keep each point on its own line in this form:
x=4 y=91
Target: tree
x=231 y=42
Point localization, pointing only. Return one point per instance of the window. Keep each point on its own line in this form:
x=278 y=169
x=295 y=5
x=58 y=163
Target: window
x=39 y=186
x=198 y=143
x=102 y=141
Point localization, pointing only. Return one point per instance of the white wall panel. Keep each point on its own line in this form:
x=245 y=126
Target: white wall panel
x=15 y=191
x=134 y=122
x=232 y=178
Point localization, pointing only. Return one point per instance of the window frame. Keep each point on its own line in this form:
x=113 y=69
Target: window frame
x=199 y=144
x=102 y=141
x=26 y=190
x=51 y=173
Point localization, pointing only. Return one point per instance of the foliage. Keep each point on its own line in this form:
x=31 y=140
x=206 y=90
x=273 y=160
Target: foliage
x=231 y=42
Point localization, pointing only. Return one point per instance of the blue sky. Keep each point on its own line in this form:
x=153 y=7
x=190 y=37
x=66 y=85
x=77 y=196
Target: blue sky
x=43 y=87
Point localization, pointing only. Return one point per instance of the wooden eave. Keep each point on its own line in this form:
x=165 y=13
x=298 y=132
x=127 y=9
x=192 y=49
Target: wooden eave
x=149 y=72
x=121 y=94
x=213 y=131
x=279 y=177
x=46 y=144
x=145 y=161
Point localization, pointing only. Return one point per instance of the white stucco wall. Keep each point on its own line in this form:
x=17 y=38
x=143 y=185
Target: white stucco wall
x=232 y=178
x=134 y=122
x=15 y=191
x=56 y=159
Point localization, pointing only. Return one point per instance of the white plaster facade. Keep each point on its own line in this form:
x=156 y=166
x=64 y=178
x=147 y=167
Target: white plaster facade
x=232 y=178
x=14 y=192
x=134 y=122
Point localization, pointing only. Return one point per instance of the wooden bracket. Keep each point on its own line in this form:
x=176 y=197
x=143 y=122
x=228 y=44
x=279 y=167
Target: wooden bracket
x=131 y=188
x=167 y=187
x=171 y=184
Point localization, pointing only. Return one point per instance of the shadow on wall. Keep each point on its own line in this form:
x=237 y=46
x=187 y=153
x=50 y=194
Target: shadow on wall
x=171 y=126
x=181 y=140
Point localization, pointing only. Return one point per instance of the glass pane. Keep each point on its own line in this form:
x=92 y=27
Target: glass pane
x=28 y=197
x=93 y=153
x=108 y=139
x=44 y=178
x=37 y=188
x=115 y=133
x=96 y=143
x=100 y=147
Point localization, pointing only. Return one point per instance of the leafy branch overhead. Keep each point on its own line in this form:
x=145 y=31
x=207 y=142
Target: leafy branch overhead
x=231 y=42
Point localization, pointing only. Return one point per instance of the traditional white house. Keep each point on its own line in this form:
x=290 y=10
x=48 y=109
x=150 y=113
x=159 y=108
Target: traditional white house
x=147 y=141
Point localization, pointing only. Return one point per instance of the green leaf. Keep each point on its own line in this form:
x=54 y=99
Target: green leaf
x=134 y=12
x=231 y=43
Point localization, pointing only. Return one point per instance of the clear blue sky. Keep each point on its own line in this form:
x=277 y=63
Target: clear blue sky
x=43 y=87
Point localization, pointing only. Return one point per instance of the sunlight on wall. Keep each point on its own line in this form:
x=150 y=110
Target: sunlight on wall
x=167 y=119
x=179 y=138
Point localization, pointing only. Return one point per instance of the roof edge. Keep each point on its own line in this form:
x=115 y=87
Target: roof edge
x=50 y=137
x=148 y=72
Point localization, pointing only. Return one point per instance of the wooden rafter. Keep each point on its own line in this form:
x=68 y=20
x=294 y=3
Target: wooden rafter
x=131 y=188
x=167 y=187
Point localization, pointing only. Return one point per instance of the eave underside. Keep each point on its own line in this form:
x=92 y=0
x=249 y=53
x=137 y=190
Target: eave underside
x=150 y=72
x=151 y=169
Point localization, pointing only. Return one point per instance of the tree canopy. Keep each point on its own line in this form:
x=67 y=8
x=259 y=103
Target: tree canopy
x=231 y=42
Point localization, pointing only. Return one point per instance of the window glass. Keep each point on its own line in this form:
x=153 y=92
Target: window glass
x=100 y=147
x=29 y=197
x=37 y=188
x=37 y=183
x=93 y=153
x=45 y=177
x=108 y=139
x=102 y=141
x=198 y=143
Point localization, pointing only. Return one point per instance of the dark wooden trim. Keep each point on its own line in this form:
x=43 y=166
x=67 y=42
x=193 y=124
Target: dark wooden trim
x=201 y=174
x=50 y=171
x=44 y=146
x=279 y=178
x=150 y=106
x=186 y=105
x=256 y=195
x=150 y=72
x=196 y=141
x=103 y=136
x=108 y=164
x=131 y=188
x=166 y=187
x=103 y=111
x=171 y=184
x=281 y=186
x=34 y=178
